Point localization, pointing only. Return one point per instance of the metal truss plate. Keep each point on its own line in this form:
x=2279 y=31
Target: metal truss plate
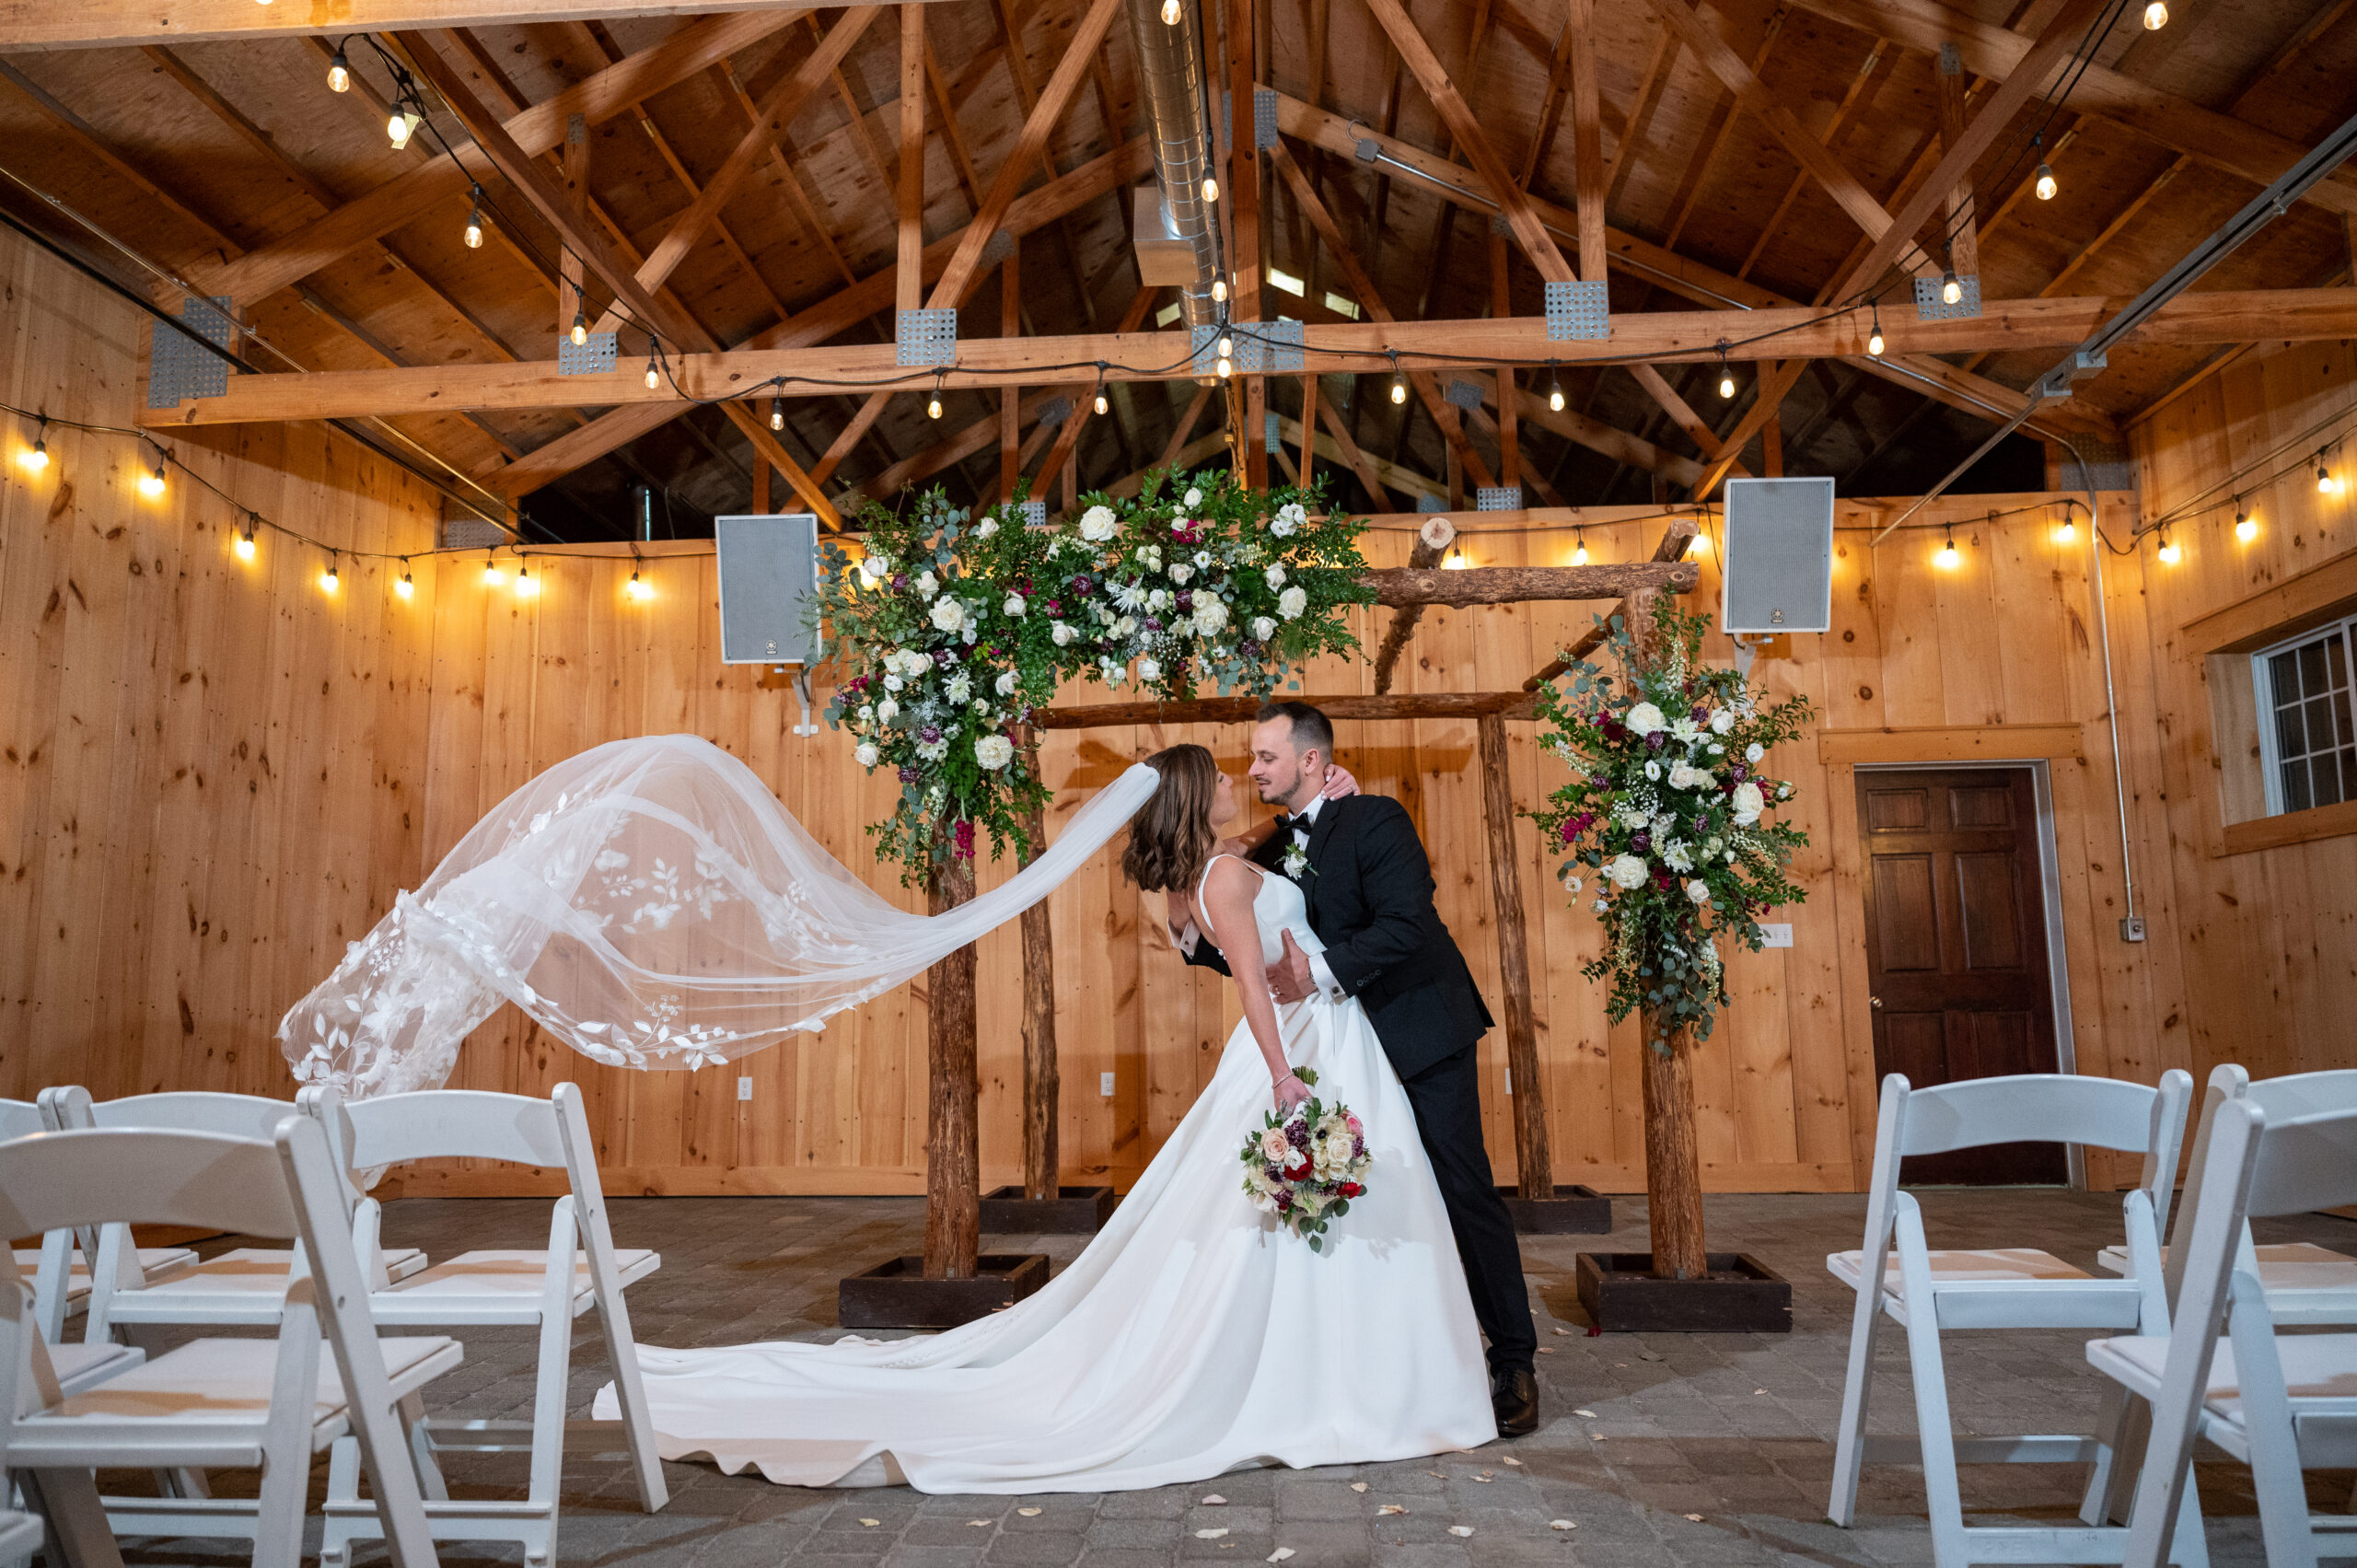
x=1264 y=118
x=926 y=337
x=1464 y=394
x=1498 y=499
x=1055 y=411
x=1578 y=312
x=178 y=369
x=591 y=358
x=1430 y=504
x=1927 y=307
x=1035 y=514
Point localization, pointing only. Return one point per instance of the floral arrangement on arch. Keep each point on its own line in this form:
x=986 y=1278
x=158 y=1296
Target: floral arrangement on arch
x=1666 y=810
x=950 y=629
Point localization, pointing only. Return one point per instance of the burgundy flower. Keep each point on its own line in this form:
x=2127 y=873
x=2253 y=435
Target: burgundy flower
x=1740 y=770
x=929 y=734
x=900 y=579
x=908 y=773
x=1640 y=841
x=1661 y=878
x=943 y=659
x=1186 y=600
x=965 y=840
x=1656 y=740
x=1152 y=624
x=1055 y=607
x=1700 y=711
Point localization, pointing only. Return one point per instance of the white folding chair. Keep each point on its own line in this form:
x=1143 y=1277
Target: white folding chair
x=239 y=1287
x=579 y=1270
x=2276 y=1403
x=2306 y=1284
x=62 y=1277
x=1929 y=1292
x=214 y=1403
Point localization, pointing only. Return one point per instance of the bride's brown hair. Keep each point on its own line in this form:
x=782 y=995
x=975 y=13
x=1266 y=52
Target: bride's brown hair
x=1172 y=839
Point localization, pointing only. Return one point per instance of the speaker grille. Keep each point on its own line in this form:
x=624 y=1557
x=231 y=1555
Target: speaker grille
x=1779 y=568
x=769 y=567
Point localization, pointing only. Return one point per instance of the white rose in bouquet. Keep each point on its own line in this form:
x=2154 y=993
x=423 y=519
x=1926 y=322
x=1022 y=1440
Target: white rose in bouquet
x=1211 y=616
x=1006 y=683
x=1097 y=524
x=1630 y=816
x=993 y=751
x=877 y=567
x=927 y=584
x=1062 y=636
x=1753 y=752
x=948 y=614
x=1264 y=628
x=1747 y=803
x=1014 y=605
x=1273 y=1144
x=1572 y=884
x=1722 y=720
x=986 y=528
x=866 y=754
x=1149 y=670
x=1626 y=871
x=1193 y=499
x=1644 y=719
x=887 y=711
x=1181 y=573
x=894 y=683
x=1276 y=575
x=1291 y=602
x=1699 y=891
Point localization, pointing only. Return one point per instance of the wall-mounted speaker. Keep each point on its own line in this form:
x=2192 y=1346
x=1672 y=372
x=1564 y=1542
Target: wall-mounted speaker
x=769 y=573
x=1778 y=572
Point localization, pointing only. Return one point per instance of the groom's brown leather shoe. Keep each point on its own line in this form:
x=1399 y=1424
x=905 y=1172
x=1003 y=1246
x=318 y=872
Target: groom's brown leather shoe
x=1514 y=1394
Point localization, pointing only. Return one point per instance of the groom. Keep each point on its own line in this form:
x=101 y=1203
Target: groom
x=1369 y=888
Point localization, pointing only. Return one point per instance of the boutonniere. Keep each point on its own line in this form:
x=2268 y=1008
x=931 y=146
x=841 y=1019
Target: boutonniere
x=1296 y=861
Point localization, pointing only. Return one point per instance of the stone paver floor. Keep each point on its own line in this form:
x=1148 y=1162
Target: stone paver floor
x=1704 y=1449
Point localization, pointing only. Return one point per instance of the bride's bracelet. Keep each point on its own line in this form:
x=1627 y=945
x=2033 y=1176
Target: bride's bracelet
x=1294 y=1077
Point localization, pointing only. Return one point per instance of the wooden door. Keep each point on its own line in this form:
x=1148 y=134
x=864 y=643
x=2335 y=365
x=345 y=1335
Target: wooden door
x=1956 y=947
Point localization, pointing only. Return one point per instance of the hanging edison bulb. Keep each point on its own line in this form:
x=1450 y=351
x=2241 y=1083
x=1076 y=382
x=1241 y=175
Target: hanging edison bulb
x=2169 y=552
x=1579 y=550
x=1947 y=560
x=1171 y=13
x=1100 y=400
x=1398 y=388
x=777 y=414
x=2156 y=17
x=151 y=484
x=329 y=582
x=1219 y=291
x=580 y=329
x=654 y=373
x=2046 y=185
x=526 y=585
x=2067 y=531
x=1873 y=338
x=406 y=587
x=1226 y=367
x=638 y=589
x=1951 y=289
x=1726 y=382
x=245 y=545
x=339 y=74
x=2246 y=528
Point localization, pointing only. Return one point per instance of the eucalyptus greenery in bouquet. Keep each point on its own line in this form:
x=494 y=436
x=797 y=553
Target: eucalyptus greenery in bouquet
x=1667 y=812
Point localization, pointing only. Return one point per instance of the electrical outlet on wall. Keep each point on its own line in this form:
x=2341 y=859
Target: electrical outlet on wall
x=1776 y=936
x=1105 y=1085
x=744 y=1089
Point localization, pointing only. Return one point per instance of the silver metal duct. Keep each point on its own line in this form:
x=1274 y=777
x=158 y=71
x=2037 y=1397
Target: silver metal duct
x=1170 y=72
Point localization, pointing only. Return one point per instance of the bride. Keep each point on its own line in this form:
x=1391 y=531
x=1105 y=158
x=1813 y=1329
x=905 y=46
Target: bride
x=1192 y=1336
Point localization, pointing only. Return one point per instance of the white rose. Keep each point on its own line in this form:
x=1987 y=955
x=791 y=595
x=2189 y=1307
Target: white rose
x=1599 y=906
x=1273 y=1144
x=1181 y=573
x=1722 y=720
x=1126 y=626
x=986 y=528
x=1097 y=524
x=1626 y=871
x=1149 y=670
x=893 y=683
x=993 y=751
x=1014 y=605
x=866 y=754
x=1211 y=616
x=1276 y=575
x=887 y=711
x=1006 y=683
x=948 y=614
x=927 y=584
x=1753 y=752
x=1193 y=499
x=1784 y=791
x=1680 y=776
x=1158 y=600
x=1644 y=719
x=1264 y=628
x=1062 y=636
x=1699 y=891
x=877 y=567
x=1747 y=803
x=1570 y=883
x=1291 y=602
x=867 y=710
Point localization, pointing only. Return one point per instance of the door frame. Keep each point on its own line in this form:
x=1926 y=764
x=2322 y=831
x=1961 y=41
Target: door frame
x=2050 y=876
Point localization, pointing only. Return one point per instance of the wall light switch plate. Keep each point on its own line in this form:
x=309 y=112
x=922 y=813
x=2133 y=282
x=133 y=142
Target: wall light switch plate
x=1777 y=936
x=1105 y=1085
x=744 y=1089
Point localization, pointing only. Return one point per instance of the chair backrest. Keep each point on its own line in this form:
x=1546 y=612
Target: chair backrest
x=20 y=1119
x=478 y=1124
x=188 y=1111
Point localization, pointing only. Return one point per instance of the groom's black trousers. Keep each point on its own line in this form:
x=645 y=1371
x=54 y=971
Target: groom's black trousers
x=1446 y=1097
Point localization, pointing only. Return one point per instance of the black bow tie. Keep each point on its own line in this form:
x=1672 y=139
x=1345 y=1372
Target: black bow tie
x=1290 y=824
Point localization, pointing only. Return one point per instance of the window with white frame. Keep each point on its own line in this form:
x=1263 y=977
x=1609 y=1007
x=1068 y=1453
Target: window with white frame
x=2306 y=735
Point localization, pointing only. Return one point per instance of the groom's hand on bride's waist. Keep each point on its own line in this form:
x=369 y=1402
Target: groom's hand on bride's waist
x=1289 y=978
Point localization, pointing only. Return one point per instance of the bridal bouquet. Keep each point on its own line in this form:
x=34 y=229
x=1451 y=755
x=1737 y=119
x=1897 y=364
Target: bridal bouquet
x=1668 y=810
x=1306 y=1167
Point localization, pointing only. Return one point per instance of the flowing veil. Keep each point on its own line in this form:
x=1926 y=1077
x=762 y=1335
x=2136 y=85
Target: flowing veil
x=649 y=903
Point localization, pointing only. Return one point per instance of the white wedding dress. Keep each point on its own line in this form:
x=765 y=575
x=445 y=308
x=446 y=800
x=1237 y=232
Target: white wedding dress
x=1192 y=1336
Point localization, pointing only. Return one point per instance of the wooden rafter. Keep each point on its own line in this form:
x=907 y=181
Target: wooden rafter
x=28 y=25
x=1082 y=397
x=1881 y=63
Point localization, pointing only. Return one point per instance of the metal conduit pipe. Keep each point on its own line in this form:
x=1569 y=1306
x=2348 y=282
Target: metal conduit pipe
x=1171 y=82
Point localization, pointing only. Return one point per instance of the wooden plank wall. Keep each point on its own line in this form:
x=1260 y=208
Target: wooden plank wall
x=169 y=921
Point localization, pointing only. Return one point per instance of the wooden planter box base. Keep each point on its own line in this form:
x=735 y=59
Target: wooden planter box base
x=1081 y=1210
x=896 y=1294
x=1741 y=1296
x=1572 y=1211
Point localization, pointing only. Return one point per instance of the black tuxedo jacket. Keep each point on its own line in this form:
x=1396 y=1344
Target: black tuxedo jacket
x=1369 y=889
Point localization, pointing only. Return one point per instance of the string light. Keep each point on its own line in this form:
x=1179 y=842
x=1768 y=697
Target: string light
x=1951 y=290
x=245 y=545
x=654 y=375
x=339 y=74
x=1701 y=544
x=474 y=220
x=1873 y=338
x=1579 y=548
x=1226 y=367
x=2325 y=485
x=1211 y=189
x=1398 y=382
x=1219 y=291
x=1947 y=560
x=2169 y=552
x=400 y=123
x=151 y=484
x=580 y=329
x=638 y=587
x=1456 y=562
x=1101 y=405
x=1226 y=345
x=2246 y=528
x=328 y=580
x=2067 y=531
x=1170 y=13
x=492 y=578
x=38 y=459
x=2045 y=186
x=1554 y=389
x=2156 y=17
x=777 y=414
x=526 y=585
x=933 y=404
x=1726 y=373
x=406 y=587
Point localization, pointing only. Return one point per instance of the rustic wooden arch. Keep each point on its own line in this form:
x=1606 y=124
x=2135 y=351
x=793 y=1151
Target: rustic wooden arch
x=953 y=1162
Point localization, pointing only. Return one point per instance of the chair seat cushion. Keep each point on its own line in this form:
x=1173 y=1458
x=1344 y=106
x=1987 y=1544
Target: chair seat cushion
x=2319 y=1372
x=1995 y=1265
x=516 y=1276
x=217 y=1380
